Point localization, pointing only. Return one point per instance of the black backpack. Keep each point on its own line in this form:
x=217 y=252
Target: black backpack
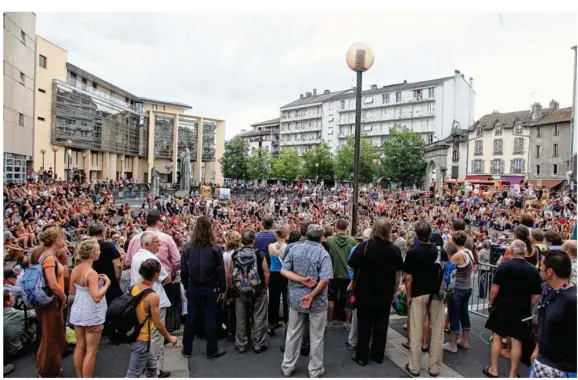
x=121 y=318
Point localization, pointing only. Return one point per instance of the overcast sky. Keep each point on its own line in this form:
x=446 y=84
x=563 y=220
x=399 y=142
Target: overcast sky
x=242 y=67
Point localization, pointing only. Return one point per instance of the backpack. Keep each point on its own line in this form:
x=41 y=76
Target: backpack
x=35 y=292
x=245 y=272
x=446 y=276
x=122 y=321
x=540 y=249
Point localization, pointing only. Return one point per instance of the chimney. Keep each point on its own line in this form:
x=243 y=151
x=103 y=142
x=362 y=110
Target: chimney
x=314 y=92
x=301 y=96
x=463 y=76
x=554 y=105
x=405 y=81
x=374 y=87
x=326 y=92
x=457 y=72
x=307 y=94
x=471 y=82
x=536 y=111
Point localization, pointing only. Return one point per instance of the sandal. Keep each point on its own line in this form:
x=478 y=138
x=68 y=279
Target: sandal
x=486 y=371
x=425 y=349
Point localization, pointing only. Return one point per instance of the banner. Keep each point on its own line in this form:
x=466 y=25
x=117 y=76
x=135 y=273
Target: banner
x=224 y=194
x=206 y=190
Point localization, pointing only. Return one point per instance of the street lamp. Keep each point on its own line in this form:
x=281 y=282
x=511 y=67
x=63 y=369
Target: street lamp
x=55 y=149
x=67 y=155
x=121 y=167
x=377 y=164
x=359 y=58
x=316 y=172
x=43 y=152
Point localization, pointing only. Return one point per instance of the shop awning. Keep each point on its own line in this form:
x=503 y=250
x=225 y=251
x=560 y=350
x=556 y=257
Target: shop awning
x=514 y=180
x=548 y=183
x=477 y=177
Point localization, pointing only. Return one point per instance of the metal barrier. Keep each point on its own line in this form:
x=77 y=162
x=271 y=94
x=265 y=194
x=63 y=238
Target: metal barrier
x=481 y=283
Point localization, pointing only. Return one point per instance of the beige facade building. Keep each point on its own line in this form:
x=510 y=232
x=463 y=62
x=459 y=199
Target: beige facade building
x=19 y=77
x=85 y=122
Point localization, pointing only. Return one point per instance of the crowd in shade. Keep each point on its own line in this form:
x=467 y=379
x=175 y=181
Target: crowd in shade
x=285 y=262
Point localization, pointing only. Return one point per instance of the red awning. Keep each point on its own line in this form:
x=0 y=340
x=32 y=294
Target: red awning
x=548 y=183
x=471 y=177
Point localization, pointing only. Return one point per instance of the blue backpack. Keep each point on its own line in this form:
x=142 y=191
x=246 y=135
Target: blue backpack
x=35 y=292
x=447 y=277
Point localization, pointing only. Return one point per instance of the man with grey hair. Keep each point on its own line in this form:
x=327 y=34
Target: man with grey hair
x=516 y=287
x=569 y=247
x=150 y=242
x=109 y=262
x=308 y=268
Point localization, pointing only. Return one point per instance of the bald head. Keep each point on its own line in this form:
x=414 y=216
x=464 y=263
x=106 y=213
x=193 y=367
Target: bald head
x=570 y=248
x=518 y=247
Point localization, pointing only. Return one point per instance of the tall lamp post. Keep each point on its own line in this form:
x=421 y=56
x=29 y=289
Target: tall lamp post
x=67 y=155
x=359 y=58
x=316 y=173
x=43 y=152
x=55 y=149
x=377 y=164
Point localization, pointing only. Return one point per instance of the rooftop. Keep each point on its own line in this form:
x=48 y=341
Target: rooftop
x=554 y=116
x=174 y=104
x=265 y=123
x=507 y=119
x=314 y=99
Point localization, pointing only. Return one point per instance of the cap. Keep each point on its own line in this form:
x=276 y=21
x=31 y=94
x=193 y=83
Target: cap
x=315 y=231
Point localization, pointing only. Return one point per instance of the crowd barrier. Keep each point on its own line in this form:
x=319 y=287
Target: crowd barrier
x=481 y=283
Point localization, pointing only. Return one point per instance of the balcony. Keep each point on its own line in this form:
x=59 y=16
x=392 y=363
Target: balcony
x=301 y=142
x=316 y=115
x=99 y=94
x=382 y=119
x=382 y=105
x=300 y=130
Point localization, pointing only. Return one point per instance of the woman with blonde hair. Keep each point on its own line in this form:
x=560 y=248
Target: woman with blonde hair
x=88 y=311
x=232 y=243
x=277 y=283
x=50 y=317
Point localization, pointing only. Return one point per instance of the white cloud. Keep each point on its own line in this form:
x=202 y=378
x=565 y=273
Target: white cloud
x=243 y=66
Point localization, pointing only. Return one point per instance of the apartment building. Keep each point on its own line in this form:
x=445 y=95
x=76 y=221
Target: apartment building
x=432 y=108
x=86 y=122
x=446 y=159
x=19 y=78
x=549 y=151
x=523 y=145
x=263 y=135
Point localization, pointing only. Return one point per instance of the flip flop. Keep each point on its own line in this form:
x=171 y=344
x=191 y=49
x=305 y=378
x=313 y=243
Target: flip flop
x=486 y=371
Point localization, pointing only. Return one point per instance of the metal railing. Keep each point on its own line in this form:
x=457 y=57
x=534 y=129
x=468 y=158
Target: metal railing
x=481 y=283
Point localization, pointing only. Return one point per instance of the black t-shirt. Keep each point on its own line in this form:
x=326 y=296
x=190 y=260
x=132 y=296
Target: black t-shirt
x=420 y=263
x=518 y=281
x=557 y=330
x=104 y=265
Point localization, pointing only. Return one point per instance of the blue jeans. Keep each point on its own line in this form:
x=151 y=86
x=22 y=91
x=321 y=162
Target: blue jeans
x=207 y=297
x=141 y=360
x=458 y=310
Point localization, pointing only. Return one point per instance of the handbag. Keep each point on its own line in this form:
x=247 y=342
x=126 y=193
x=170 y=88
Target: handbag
x=350 y=303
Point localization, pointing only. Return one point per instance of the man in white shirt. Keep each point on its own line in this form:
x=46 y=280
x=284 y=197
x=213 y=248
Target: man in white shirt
x=150 y=243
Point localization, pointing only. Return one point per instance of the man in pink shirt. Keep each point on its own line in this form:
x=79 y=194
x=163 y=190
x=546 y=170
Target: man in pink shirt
x=168 y=253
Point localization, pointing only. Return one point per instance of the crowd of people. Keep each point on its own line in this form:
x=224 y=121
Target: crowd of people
x=247 y=268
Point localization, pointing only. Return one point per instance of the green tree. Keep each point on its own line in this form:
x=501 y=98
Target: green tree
x=344 y=161
x=234 y=160
x=403 y=157
x=259 y=164
x=288 y=165
x=318 y=163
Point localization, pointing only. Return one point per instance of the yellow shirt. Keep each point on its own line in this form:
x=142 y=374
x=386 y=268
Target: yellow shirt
x=141 y=314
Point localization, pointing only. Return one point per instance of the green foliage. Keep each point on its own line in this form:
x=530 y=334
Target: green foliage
x=344 y=161
x=288 y=165
x=322 y=156
x=404 y=157
x=259 y=164
x=234 y=160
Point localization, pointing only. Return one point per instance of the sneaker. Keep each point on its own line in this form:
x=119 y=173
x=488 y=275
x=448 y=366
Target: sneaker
x=8 y=368
x=464 y=346
x=241 y=349
x=185 y=354
x=216 y=354
x=164 y=374
x=350 y=346
x=448 y=347
x=320 y=373
x=261 y=350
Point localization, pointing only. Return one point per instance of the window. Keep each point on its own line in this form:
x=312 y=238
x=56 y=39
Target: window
x=455 y=155
x=537 y=170
x=517 y=166
x=430 y=138
x=518 y=129
x=538 y=151
x=478 y=166
x=430 y=92
x=330 y=131
x=456 y=144
x=518 y=145
x=40 y=118
x=555 y=150
x=23 y=36
x=164 y=108
x=94 y=85
x=42 y=91
x=21 y=120
x=22 y=78
x=539 y=131
x=84 y=83
x=498 y=130
x=367 y=128
x=368 y=100
x=555 y=169
x=331 y=118
x=479 y=148
x=343 y=104
x=42 y=61
x=556 y=130
x=479 y=131
x=498 y=146
x=385 y=98
x=398 y=97
x=455 y=172
x=112 y=93
x=497 y=166
x=417 y=95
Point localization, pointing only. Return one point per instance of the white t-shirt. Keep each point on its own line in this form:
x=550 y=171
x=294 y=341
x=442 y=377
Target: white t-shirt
x=136 y=278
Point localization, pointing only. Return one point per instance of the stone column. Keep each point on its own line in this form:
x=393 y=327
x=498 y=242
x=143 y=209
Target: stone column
x=106 y=165
x=151 y=151
x=197 y=173
x=86 y=163
x=219 y=150
x=175 y=147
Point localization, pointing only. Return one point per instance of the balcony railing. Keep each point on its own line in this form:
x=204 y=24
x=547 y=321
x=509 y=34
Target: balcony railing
x=92 y=91
x=302 y=117
x=381 y=105
x=379 y=119
x=300 y=130
x=301 y=142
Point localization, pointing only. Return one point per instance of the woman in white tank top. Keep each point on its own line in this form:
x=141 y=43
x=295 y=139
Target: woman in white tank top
x=88 y=311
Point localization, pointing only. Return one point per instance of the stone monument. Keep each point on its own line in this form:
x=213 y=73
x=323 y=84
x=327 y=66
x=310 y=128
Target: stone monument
x=185 y=184
x=155 y=181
